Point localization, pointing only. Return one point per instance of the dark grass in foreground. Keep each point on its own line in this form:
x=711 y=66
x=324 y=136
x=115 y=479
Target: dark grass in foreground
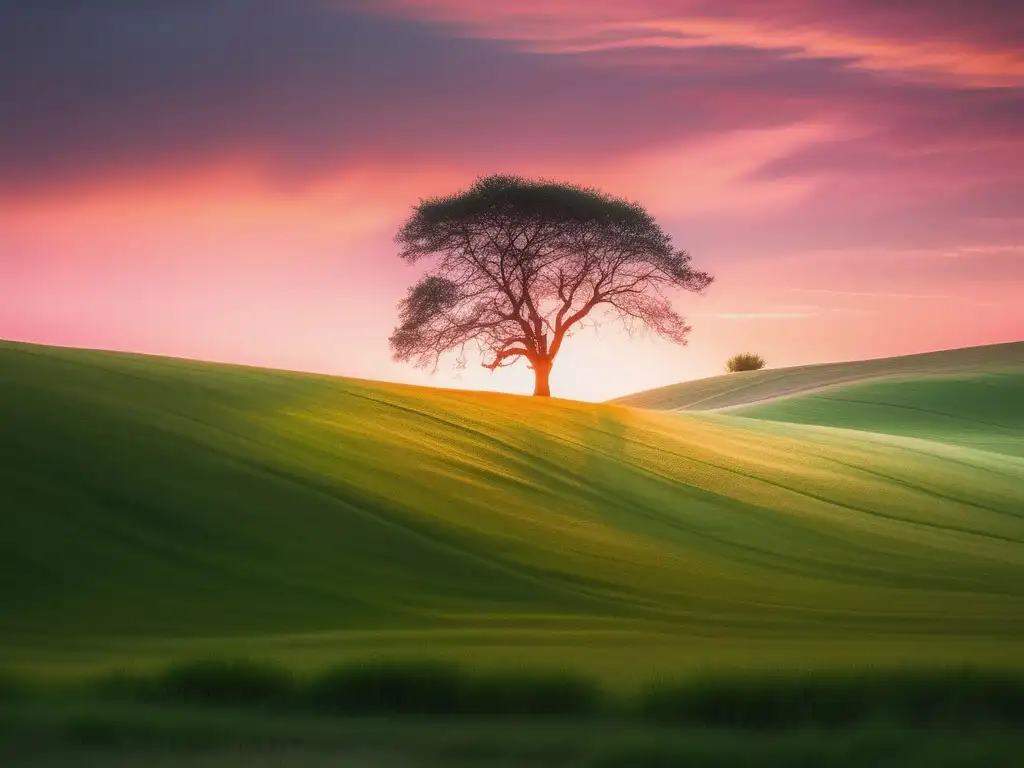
x=384 y=688
x=171 y=737
x=222 y=713
x=951 y=696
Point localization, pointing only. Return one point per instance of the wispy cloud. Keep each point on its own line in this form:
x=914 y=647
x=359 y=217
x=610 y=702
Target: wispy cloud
x=1011 y=248
x=764 y=315
x=931 y=59
x=712 y=173
x=876 y=294
x=885 y=295
x=894 y=37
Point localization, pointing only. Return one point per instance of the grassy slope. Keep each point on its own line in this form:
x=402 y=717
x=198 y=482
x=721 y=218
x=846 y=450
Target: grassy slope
x=755 y=386
x=983 y=410
x=155 y=508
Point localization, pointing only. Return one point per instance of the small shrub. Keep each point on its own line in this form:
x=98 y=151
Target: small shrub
x=745 y=361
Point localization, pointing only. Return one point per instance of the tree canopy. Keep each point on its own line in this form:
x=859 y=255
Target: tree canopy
x=521 y=264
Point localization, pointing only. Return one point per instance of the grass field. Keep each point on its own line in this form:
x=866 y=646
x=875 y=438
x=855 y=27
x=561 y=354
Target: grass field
x=157 y=510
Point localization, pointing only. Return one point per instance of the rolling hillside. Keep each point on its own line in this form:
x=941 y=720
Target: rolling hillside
x=756 y=386
x=983 y=411
x=157 y=508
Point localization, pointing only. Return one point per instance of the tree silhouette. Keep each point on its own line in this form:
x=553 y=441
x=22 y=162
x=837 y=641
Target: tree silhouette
x=521 y=264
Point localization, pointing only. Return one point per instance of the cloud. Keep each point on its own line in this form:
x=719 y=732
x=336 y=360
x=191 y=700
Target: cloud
x=1014 y=249
x=876 y=294
x=973 y=43
x=298 y=88
x=712 y=173
x=750 y=153
x=302 y=89
x=305 y=89
x=764 y=315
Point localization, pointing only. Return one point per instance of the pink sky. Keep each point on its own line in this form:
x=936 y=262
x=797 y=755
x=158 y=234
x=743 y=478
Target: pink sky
x=179 y=181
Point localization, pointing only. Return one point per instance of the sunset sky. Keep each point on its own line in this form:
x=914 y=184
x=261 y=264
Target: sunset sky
x=223 y=179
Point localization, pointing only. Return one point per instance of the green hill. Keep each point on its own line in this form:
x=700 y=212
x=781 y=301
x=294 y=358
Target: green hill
x=157 y=508
x=756 y=386
x=984 y=410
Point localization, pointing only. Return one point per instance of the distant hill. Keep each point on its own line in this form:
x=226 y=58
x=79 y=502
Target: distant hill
x=983 y=410
x=749 y=387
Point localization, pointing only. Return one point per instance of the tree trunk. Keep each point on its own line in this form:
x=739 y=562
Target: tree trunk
x=542 y=373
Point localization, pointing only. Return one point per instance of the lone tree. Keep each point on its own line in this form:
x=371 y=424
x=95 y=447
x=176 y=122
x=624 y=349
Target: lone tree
x=522 y=264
